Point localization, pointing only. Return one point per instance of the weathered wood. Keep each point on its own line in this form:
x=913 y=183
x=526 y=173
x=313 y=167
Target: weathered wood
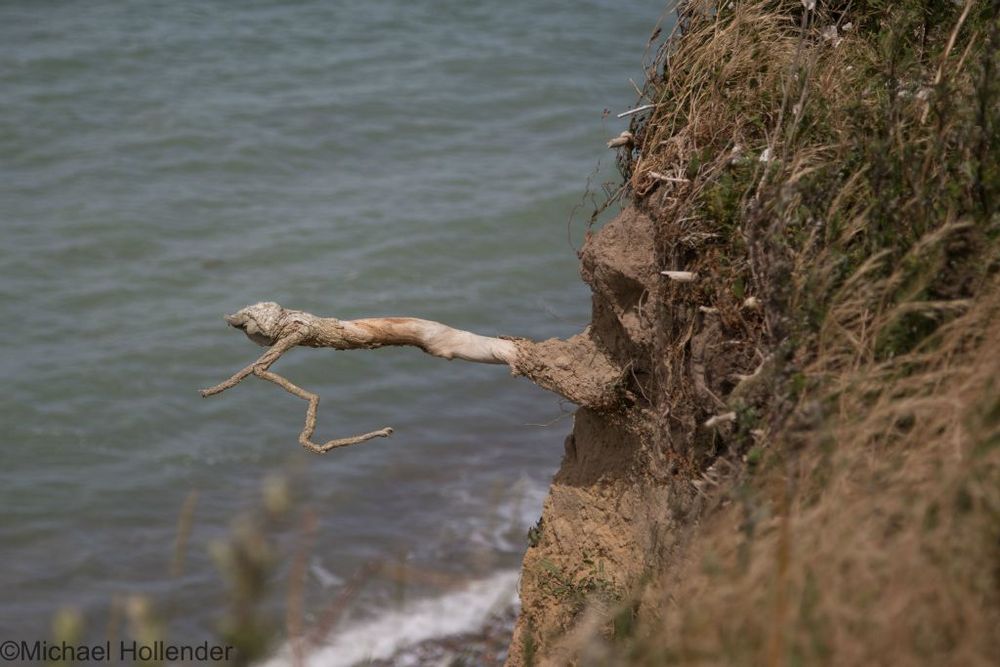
x=576 y=369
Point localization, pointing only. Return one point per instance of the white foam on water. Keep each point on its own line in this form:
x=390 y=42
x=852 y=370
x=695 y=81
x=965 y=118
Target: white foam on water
x=503 y=526
x=325 y=578
x=458 y=612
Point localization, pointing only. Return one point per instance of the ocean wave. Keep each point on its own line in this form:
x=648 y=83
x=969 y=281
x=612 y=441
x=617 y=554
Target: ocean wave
x=392 y=631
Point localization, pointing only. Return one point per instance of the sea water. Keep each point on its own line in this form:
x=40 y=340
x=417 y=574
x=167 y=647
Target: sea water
x=164 y=163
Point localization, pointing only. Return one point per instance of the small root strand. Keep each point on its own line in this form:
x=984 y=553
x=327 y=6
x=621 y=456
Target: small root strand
x=305 y=437
x=260 y=369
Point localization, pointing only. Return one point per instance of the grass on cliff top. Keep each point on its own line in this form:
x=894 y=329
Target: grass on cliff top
x=845 y=160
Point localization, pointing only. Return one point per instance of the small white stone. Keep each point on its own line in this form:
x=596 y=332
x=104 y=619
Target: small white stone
x=623 y=139
x=680 y=276
x=720 y=419
x=830 y=34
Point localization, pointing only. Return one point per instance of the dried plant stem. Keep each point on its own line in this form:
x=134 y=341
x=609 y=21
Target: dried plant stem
x=639 y=109
x=947 y=52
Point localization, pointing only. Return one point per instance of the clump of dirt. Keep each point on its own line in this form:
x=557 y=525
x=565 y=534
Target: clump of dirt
x=575 y=368
x=619 y=264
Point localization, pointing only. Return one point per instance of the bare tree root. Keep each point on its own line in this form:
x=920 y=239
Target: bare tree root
x=260 y=369
x=265 y=362
x=576 y=369
x=310 y=426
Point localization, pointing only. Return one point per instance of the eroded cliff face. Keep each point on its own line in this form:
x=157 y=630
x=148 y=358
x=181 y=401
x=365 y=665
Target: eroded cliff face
x=622 y=499
x=802 y=464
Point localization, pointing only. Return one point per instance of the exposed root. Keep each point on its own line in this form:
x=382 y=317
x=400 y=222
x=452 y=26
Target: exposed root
x=576 y=369
x=262 y=364
x=310 y=425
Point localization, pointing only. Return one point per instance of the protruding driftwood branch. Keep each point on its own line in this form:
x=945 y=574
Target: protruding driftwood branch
x=574 y=368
